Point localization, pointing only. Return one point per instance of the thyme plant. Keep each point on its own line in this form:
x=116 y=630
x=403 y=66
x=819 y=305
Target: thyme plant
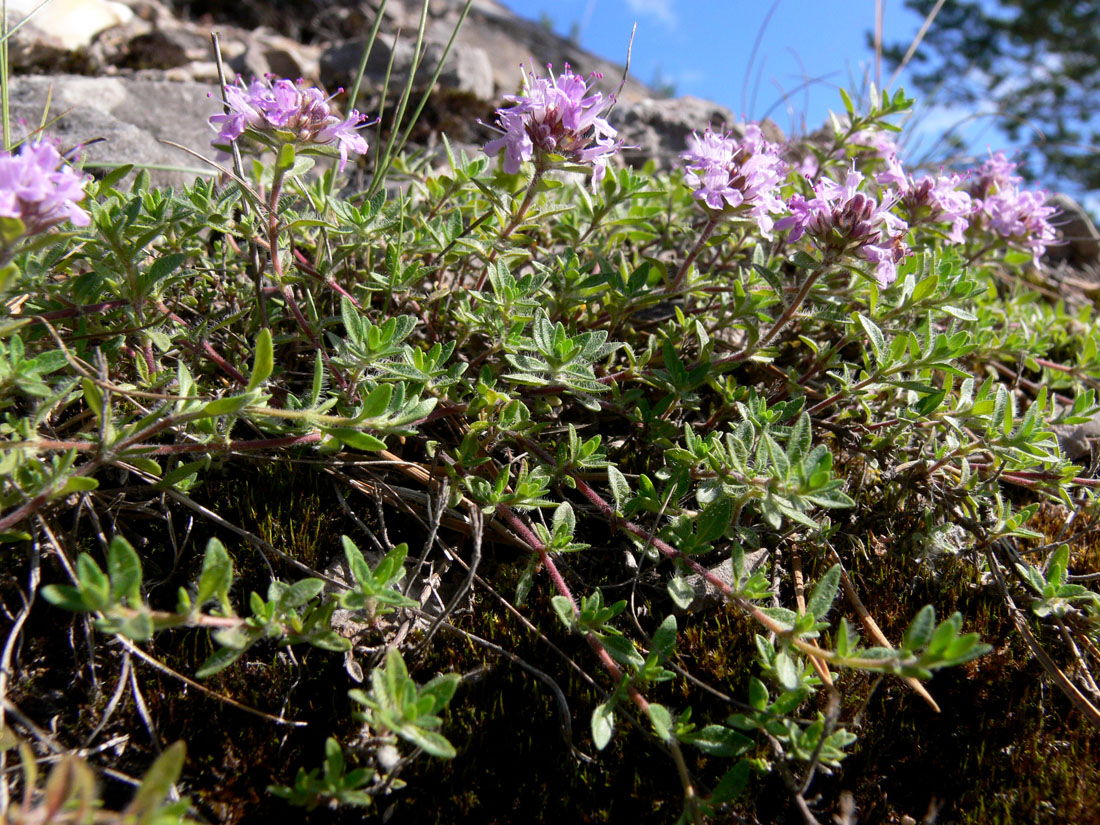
x=737 y=376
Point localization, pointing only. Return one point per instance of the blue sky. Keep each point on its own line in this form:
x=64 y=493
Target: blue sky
x=706 y=48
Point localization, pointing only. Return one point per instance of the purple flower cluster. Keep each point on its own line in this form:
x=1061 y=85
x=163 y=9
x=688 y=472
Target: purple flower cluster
x=555 y=116
x=292 y=111
x=39 y=189
x=872 y=143
x=1001 y=205
x=840 y=219
x=930 y=200
x=736 y=175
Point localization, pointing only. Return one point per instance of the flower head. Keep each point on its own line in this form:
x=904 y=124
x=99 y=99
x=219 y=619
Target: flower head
x=995 y=174
x=872 y=143
x=555 y=116
x=292 y=112
x=930 y=200
x=1002 y=206
x=739 y=176
x=39 y=189
x=841 y=219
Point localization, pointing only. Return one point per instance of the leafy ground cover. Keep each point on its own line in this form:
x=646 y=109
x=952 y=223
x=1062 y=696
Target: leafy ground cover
x=539 y=487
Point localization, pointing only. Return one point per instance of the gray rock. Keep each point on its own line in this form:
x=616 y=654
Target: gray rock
x=128 y=115
x=262 y=51
x=67 y=25
x=708 y=595
x=1081 y=240
x=659 y=128
x=1077 y=440
x=467 y=68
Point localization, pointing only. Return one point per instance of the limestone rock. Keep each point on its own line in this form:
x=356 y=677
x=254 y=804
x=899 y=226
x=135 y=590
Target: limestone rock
x=467 y=68
x=659 y=128
x=126 y=117
x=708 y=595
x=65 y=24
x=1081 y=245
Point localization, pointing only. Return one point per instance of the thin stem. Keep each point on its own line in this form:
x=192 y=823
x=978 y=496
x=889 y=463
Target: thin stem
x=778 y=326
x=517 y=219
x=601 y=652
x=704 y=236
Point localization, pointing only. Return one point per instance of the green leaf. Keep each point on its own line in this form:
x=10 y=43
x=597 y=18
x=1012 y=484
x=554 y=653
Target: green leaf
x=227 y=406
x=1058 y=566
x=758 y=693
x=824 y=593
x=564 y=519
x=603 y=725
x=875 y=336
x=441 y=689
x=944 y=634
x=799 y=441
x=181 y=474
x=732 y=783
x=263 y=362
x=124 y=569
x=661 y=720
x=164 y=266
x=138 y=627
x=622 y=650
x=664 y=638
x=93 y=397
x=718 y=740
x=77 y=484
x=219 y=660
x=390 y=568
x=94 y=585
x=217 y=575
x=146 y=465
x=564 y=608
x=300 y=592
x=375 y=404
x=712 y=522
x=11 y=230
x=329 y=640
x=620 y=488
x=848 y=107
x=786 y=671
x=285 y=159
x=65 y=597
x=356 y=439
x=680 y=592
x=156 y=784
x=919 y=632
x=929 y=403
x=434 y=744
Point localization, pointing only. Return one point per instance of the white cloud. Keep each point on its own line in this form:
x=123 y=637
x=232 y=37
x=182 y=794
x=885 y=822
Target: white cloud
x=660 y=10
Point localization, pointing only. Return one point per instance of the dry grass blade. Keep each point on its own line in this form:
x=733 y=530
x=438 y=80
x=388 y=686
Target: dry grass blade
x=872 y=628
x=163 y=668
x=1064 y=683
x=800 y=598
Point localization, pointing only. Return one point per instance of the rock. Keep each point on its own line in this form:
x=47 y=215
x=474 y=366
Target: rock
x=467 y=68
x=65 y=24
x=1081 y=246
x=1077 y=440
x=128 y=114
x=708 y=595
x=267 y=52
x=659 y=128
x=512 y=41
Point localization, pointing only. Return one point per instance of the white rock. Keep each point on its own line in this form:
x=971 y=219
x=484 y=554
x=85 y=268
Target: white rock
x=74 y=23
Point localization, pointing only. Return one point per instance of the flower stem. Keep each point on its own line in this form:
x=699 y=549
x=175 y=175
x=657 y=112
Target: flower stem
x=704 y=236
x=517 y=219
x=777 y=327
